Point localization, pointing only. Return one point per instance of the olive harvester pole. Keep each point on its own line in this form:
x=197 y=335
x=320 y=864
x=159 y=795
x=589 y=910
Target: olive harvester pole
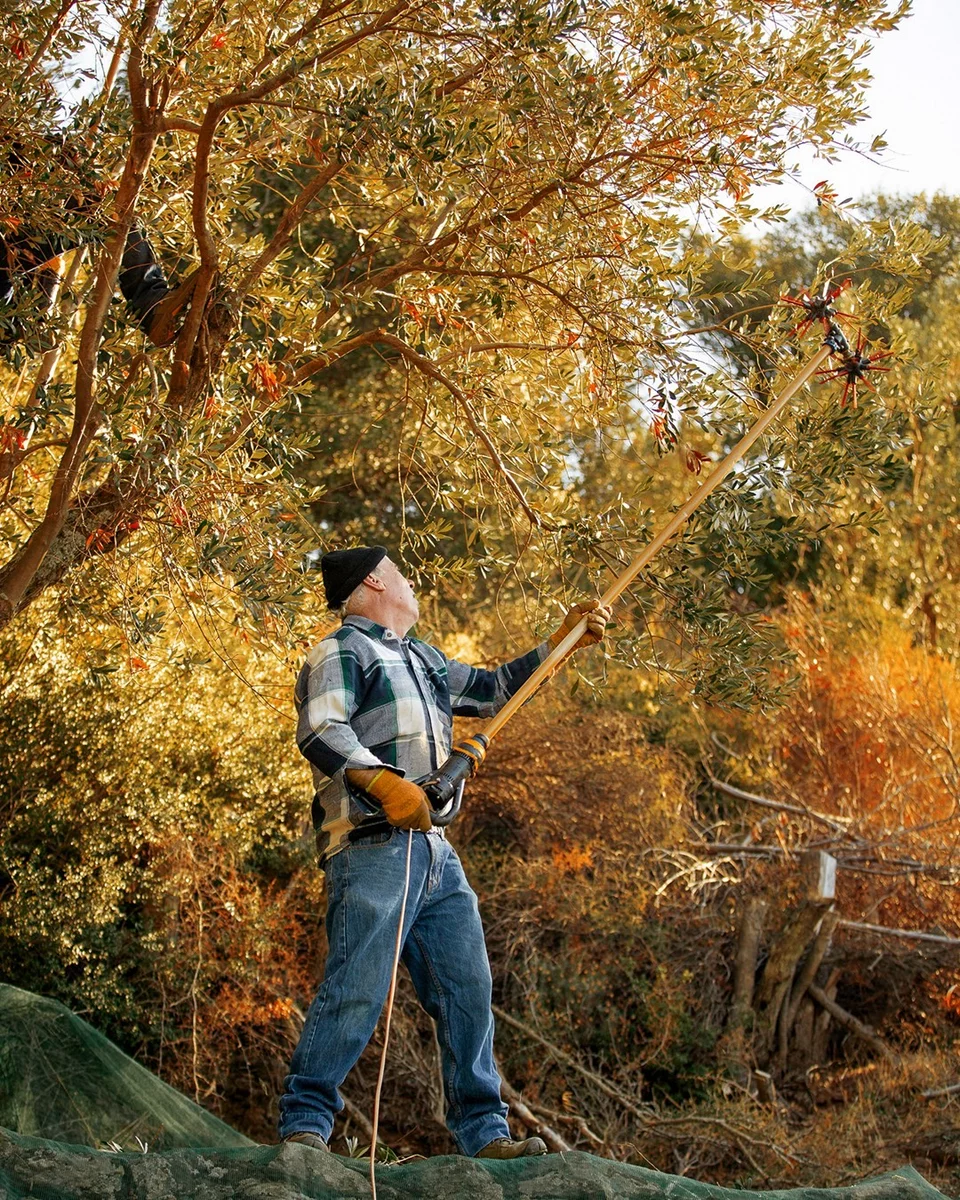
x=652 y=549
x=444 y=788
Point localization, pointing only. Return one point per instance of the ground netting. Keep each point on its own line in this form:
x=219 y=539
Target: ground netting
x=43 y=1170
x=66 y=1089
x=61 y=1079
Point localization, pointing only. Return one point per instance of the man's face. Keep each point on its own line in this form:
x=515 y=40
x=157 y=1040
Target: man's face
x=398 y=589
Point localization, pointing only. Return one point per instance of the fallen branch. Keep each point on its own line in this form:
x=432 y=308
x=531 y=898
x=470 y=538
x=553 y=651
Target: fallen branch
x=914 y=934
x=648 y=1119
x=776 y=805
x=644 y=1114
x=947 y=1091
x=897 y=867
x=740 y=1138
x=571 y=1119
x=739 y=848
x=358 y=1115
x=849 y=1021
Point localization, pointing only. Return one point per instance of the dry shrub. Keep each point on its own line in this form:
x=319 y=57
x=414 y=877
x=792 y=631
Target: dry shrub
x=873 y=737
x=238 y=965
x=149 y=869
x=870 y=741
x=873 y=733
x=566 y=778
x=562 y=837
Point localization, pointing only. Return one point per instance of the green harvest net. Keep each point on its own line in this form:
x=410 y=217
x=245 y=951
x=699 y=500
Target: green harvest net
x=61 y=1082
x=61 y=1079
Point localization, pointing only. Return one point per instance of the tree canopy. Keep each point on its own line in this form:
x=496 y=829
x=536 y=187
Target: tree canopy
x=454 y=236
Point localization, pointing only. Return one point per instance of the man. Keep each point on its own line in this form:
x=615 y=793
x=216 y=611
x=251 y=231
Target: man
x=376 y=711
x=26 y=253
x=150 y=300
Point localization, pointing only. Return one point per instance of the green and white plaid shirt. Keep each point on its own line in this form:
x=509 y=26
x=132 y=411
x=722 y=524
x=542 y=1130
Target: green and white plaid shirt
x=367 y=698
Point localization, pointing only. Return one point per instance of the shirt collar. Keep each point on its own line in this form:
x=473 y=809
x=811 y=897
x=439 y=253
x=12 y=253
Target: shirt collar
x=380 y=632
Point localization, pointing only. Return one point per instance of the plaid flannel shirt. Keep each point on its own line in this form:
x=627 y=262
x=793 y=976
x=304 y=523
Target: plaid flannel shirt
x=368 y=699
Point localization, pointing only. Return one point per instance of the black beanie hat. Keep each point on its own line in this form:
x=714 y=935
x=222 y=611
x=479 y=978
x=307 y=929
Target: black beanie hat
x=343 y=570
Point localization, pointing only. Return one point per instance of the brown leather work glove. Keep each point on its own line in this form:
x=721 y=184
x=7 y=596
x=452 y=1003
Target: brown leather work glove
x=404 y=803
x=597 y=619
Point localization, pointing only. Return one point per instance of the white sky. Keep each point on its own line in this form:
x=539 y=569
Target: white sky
x=913 y=102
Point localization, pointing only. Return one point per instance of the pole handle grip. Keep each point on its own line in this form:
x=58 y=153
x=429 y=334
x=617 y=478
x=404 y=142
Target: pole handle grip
x=444 y=788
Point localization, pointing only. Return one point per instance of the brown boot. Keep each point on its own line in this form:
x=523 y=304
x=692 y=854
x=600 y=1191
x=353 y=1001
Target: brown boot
x=307 y=1139
x=507 y=1148
x=164 y=319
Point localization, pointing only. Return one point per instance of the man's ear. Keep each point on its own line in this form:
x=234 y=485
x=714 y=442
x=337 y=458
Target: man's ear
x=375 y=582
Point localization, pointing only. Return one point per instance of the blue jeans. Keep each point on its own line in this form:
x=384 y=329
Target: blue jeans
x=444 y=951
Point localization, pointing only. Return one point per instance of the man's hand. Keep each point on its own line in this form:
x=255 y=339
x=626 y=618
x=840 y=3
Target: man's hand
x=598 y=616
x=404 y=803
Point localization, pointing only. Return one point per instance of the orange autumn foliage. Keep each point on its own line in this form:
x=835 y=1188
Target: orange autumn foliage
x=871 y=732
x=871 y=738
x=573 y=860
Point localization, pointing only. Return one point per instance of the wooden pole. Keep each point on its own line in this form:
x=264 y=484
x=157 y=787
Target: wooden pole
x=745 y=967
x=652 y=549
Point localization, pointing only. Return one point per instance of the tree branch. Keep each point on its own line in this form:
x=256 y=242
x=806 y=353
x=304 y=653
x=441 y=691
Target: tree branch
x=288 y=223
x=179 y=125
x=325 y=360
x=418 y=259
x=18 y=573
x=426 y=367
x=250 y=95
x=48 y=40
x=486 y=347
x=324 y=13
x=215 y=112
x=911 y=934
x=945 y=1091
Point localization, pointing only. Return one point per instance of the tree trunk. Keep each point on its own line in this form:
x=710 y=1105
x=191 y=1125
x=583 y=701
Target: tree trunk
x=805 y=977
x=803 y=1033
x=109 y=507
x=821 y=1023
x=779 y=972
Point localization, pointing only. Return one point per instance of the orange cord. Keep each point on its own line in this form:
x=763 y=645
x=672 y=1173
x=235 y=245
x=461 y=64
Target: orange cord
x=386 y=1024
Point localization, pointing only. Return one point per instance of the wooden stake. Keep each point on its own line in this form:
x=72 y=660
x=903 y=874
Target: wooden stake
x=650 y=551
x=745 y=968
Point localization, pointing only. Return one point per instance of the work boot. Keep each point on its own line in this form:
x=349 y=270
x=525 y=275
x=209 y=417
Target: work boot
x=305 y=1138
x=507 y=1148
x=162 y=323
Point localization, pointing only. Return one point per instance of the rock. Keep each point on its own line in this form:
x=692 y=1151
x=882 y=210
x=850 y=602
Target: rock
x=47 y=1169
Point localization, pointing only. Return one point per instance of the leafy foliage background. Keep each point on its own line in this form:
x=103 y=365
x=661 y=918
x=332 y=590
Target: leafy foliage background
x=473 y=284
